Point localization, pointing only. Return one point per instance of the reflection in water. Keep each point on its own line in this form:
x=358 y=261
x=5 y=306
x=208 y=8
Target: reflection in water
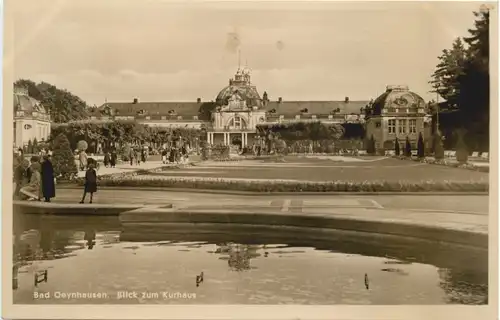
x=238 y=255
x=304 y=270
x=90 y=238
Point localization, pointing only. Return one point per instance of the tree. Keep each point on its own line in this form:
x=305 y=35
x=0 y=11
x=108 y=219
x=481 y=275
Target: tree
x=438 y=145
x=447 y=77
x=462 y=79
x=475 y=85
x=461 y=148
x=62 y=105
x=420 y=146
x=371 y=146
x=82 y=145
x=397 y=149
x=63 y=159
x=35 y=146
x=408 y=147
x=30 y=146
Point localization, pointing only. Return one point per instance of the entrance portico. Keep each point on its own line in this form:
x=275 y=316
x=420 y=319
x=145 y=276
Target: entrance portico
x=226 y=138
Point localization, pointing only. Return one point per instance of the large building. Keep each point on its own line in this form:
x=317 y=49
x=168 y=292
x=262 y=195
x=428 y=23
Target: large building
x=31 y=120
x=238 y=108
x=397 y=114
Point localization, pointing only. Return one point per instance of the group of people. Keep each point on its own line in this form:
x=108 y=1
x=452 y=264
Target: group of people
x=175 y=155
x=110 y=159
x=34 y=179
x=137 y=156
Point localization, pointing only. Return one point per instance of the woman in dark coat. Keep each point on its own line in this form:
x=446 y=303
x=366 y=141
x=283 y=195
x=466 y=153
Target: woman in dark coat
x=112 y=160
x=48 y=186
x=90 y=182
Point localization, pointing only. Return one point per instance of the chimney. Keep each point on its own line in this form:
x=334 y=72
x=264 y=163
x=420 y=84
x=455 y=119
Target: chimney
x=346 y=100
x=280 y=100
x=198 y=100
x=136 y=101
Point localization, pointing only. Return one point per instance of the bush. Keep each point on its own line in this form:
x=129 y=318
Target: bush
x=408 y=147
x=370 y=149
x=220 y=152
x=139 y=181
x=82 y=145
x=63 y=159
x=36 y=149
x=30 y=147
x=420 y=146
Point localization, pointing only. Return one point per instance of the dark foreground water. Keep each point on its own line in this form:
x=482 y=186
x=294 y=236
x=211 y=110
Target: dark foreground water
x=99 y=261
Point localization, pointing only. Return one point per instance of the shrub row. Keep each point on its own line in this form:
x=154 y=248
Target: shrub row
x=125 y=175
x=292 y=186
x=447 y=163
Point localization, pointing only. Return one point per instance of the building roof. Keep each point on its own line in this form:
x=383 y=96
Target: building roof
x=186 y=109
x=247 y=93
x=292 y=108
x=398 y=97
x=190 y=109
x=23 y=102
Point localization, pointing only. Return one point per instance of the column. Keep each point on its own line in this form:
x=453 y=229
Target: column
x=209 y=137
x=225 y=138
x=245 y=143
x=212 y=137
x=242 y=139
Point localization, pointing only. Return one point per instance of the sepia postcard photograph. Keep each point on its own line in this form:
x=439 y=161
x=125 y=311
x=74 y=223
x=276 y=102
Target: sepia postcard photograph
x=250 y=159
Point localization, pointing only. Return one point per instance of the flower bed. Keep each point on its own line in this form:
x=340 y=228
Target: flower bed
x=124 y=175
x=292 y=186
x=445 y=162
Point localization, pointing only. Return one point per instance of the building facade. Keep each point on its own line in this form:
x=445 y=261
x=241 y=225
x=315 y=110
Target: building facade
x=238 y=109
x=397 y=114
x=234 y=115
x=31 y=120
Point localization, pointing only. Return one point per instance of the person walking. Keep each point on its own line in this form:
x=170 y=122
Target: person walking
x=90 y=182
x=48 y=185
x=112 y=160
x=143 y=155
x=107 y=159
x=33 y=189
x=131 y=156
x=164 y=156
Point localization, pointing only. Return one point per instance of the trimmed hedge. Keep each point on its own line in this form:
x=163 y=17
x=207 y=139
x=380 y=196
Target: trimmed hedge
x=444 y=162
x=142 y=179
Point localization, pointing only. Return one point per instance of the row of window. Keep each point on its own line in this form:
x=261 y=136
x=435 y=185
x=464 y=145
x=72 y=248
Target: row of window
x=401 y=126
x=146 y=118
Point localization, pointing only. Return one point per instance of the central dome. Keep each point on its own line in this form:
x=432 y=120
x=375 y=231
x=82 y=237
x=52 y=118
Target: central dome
x=240 y=87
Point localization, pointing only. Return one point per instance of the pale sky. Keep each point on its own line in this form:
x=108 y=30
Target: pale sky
x=162 y=51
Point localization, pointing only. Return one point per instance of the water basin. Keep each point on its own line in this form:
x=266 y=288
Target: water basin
x=98 y=260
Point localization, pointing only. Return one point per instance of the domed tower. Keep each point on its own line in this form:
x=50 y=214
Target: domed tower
x=398 y=113
x=31 y=120
x=238 y=112
x=240 y=93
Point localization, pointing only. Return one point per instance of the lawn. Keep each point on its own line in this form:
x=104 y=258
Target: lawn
x=326 y=170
